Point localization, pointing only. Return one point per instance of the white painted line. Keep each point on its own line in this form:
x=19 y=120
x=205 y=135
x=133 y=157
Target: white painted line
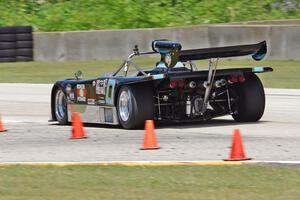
x=11 y=121
x=131 y=163
x=280 y=162
x=146 y=163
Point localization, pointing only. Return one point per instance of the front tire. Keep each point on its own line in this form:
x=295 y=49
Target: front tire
x=250 y=104
x=60 y=107
x=134 y=105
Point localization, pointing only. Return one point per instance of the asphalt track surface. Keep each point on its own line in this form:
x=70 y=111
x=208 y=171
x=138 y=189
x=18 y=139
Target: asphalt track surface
x=25 y=112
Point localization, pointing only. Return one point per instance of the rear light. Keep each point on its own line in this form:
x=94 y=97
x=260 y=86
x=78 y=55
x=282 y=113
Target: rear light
x=241 y=79
x=233 y=79
x=173 y=84
x=177 y=83
x=180 y=83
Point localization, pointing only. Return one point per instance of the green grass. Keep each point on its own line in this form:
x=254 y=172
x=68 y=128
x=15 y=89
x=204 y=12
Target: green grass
x=168 y=182
x=69 y=15
x=49 y=72
x=286 y=73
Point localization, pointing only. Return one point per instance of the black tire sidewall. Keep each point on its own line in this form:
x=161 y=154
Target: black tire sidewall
x=64 y=120
x=8 y=59
x=8 y=37
x=15 y=29
x=24 y=52
x=7 y=53
x=7 y=45
x=24 y=44
x=24 y=58
x=7 y=30
x=23 y=29
x=24 y=37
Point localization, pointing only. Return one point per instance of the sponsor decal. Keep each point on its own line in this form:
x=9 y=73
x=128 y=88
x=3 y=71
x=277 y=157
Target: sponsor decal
x=68 y=88
x=81 y=93
x=100 y=86
x=101 y=101
x=91 y=101
x=72 y=96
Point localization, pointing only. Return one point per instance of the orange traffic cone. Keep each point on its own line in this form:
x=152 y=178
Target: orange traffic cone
x=149 y=138
x=77 y=127
x=237 y=149
x=1 y=125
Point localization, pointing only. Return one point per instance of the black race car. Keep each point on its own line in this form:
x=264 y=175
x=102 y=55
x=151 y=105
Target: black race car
x=175 y=90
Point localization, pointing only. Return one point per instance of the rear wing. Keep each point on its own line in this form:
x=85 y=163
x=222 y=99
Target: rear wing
x=258 y=52
x=171 y=53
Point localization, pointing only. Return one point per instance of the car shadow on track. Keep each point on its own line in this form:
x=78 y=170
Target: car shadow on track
x=203 y=124
x=90 y=125
x=176 y=125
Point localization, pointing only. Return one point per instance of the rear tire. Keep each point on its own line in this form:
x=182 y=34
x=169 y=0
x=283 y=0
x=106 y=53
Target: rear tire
x=250 y=101
x=135 y=105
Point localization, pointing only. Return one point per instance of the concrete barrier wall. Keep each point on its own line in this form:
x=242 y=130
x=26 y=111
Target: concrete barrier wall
x=283 y=41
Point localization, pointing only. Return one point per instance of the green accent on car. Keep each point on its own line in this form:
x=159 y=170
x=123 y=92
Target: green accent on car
x=158 y=76
x=110 y=91
x=257 y=69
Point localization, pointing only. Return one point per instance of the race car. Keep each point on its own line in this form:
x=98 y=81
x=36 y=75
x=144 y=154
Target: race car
x=174 y=90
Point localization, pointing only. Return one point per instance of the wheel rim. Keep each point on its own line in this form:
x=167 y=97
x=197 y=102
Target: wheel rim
x=60 y=105
x=125 y=106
